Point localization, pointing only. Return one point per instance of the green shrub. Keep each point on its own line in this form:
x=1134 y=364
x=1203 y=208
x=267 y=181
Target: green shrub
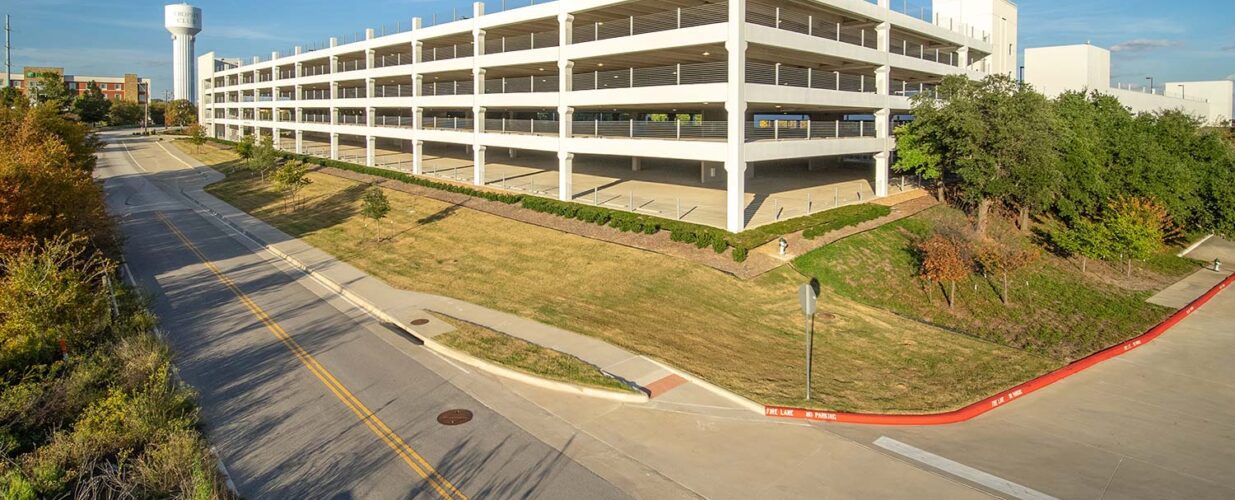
x=739 y=254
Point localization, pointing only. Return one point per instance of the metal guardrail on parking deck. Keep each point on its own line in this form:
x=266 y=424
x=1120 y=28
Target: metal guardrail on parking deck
x=522 y=126
x=393 y=121
x=917 y=50
x=807 y=24
x=679 y=74
x=396 y=59
x=520 y=84
x=660 y=21
x=794 y=76
x=776 y=130
x=448 y=52
x=678 y=129
x=447 y=123
x=458 y=87
x=522 y=42
x=404 y=90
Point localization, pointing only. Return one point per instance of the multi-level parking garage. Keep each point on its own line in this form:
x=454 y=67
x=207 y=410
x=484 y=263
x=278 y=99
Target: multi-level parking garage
x=729 y=113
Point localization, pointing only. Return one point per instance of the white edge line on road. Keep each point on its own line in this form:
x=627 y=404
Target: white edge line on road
x=961 y=470
x=173 y=155
x=1194 y=246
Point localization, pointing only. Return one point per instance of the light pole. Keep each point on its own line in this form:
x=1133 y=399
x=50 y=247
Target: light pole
x=808 y=295
x=146 y=116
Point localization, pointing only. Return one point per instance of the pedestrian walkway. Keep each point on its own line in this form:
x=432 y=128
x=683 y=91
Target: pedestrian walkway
x=410 y=310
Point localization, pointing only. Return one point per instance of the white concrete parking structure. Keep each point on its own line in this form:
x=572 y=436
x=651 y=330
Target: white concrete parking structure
x=700 y=92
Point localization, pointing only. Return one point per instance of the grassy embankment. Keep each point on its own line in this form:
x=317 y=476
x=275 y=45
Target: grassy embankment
x=743 y=335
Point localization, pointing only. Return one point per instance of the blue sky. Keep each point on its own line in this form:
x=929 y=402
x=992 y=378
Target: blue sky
x=1180 y=40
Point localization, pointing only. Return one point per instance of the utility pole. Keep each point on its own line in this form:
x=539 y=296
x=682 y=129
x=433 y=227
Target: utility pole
x=146 y=118
x=8 y=48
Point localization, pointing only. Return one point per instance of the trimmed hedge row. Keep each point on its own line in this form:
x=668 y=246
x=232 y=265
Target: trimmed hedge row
x=684 y=232
x=856 y=214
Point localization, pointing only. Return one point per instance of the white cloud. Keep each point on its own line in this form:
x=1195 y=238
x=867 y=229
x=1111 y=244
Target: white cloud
x=1144 y=45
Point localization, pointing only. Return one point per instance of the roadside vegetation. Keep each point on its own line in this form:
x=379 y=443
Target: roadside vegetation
x=90 y=406
x=486 y=343
x=745 y=335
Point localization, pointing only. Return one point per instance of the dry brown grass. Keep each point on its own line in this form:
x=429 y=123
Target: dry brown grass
x=744 y=335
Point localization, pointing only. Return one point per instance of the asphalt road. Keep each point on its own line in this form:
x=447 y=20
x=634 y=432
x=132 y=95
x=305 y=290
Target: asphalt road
x=300 y=396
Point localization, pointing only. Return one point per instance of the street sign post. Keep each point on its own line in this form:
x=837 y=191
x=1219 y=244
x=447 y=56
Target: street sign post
x=808 y=296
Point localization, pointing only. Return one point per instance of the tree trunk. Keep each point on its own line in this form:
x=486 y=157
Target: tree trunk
x=1023 y=221
x=1084 y=263
x=943 y=196
x=952 y=296
x=1129 y=272
x=984 y=213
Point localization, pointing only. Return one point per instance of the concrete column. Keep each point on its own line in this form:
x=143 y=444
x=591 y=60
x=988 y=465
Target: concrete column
x=334 y=42
x=418 y=148
x=883 y=80
x=881 y=173
x=478 y=169
x=369 y=86
x=370 y=151
x=478 y=81
x=566 y=29
x=418 y=49
x=735 y=107
x=565 y=176
x=334 y=60
x=636 y=164
x=299 y=142
x=478 y=43
x=334 y=146
x=368 y=35
x=884 y=32
x=962 y=55
x=334 y=91
x=512 y=152
x=275 y=137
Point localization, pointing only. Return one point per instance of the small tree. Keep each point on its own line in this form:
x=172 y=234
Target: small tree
x=1086 y=239
x=197 y=136
x=291 y=178
x=1138 y=228
x=244 y=147
x=374 y=204
x=263 y=158
x=1001 y=259
x=945 y=260
x=49 y=89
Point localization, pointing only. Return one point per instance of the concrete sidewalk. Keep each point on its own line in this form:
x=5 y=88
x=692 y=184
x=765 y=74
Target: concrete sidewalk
x=668 y=387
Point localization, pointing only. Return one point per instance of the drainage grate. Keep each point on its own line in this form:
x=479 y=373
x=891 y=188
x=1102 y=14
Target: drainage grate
x=454 y=417
x=421 y=321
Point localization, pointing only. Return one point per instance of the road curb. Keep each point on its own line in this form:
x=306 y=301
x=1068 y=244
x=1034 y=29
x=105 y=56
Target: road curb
x=481 y=364
x=1194 y=246
x=1007 y=396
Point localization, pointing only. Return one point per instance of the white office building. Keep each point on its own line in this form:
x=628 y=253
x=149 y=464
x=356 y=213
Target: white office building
x=1058 y=69
x=729 y=113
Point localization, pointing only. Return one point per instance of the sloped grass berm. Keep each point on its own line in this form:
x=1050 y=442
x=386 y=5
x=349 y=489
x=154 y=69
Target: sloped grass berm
x=684 y=232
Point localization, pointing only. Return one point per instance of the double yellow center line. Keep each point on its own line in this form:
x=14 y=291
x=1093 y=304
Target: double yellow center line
x=413 y=459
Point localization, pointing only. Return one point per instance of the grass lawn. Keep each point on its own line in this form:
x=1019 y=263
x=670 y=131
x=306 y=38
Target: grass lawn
x=746 y=336
x=1055 y=310
x=525 y=356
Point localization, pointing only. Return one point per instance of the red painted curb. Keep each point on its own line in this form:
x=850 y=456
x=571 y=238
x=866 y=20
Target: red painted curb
x=1009 y=395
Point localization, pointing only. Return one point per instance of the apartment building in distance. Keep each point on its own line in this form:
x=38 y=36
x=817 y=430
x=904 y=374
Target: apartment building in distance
x=1054 y=70
x=114 y=87
x=730 y=113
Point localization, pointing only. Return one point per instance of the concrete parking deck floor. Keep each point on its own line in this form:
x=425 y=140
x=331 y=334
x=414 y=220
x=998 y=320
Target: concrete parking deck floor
x=663 y=188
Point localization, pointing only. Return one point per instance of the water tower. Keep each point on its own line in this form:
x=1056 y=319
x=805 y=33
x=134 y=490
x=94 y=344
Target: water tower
x=184 y=21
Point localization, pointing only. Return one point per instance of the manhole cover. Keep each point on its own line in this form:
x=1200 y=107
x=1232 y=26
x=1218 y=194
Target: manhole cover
x=454 y=417
x=421 y=321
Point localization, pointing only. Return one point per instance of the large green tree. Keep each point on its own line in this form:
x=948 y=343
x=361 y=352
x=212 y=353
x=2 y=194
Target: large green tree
x=180 y=113
x=91 y=106
x=50 y=89
x=995 y=136
x=124 y=112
